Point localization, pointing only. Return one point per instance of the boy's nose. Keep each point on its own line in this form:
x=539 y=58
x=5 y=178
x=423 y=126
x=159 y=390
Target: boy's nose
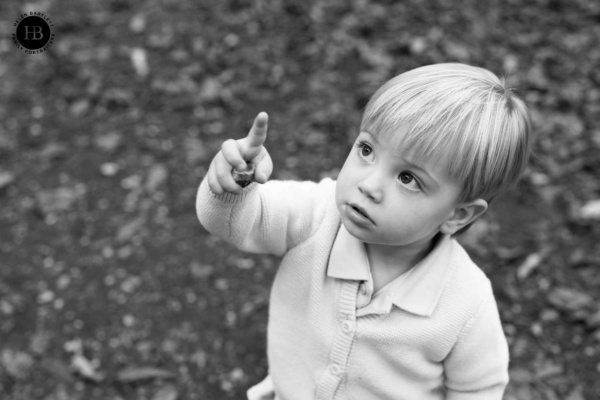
x=372 y=187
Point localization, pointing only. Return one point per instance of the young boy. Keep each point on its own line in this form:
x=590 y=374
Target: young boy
x=374 y=298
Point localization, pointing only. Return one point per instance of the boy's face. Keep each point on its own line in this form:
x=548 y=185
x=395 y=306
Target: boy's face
x=406 y=200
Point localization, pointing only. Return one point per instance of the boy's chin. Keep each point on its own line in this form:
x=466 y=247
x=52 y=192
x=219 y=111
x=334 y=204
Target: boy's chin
x=357 y=232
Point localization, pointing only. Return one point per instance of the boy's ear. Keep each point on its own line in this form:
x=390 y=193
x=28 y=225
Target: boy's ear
x=464 y=214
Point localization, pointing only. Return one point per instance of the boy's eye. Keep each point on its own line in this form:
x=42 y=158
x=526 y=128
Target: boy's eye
x=409 y=182
x=365 y=150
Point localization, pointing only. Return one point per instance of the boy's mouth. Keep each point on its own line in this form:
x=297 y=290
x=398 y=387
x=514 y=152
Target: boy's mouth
x=361 y=211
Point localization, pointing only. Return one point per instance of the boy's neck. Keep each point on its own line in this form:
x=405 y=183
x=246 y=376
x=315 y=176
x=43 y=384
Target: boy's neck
x=389 y=262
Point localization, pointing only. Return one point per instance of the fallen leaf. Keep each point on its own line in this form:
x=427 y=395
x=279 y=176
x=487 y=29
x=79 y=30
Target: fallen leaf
x=590 y=210
x=457 y=51
x=548 y=370
x=79 y=108
x=510 y=63
x=199 y=358
x=57 y=368
x=54 y=151
x=108 y=141
x=137 y=23
x=549 y=393
x=507 y=253
x=109 y=169
x=73 y=346
x=59 y=199
x=520 y=375
x=576 y=394
x=6 y=178
x=244 y=263
x=567 y=299
x=39 y=342
x=593 y=320
x=375 y=57
x=85 y=368
x=118 y=96
x=549 y=315
x=237 y=375
x=537 y=77
x=211 y=89
x=520 y=346
x=127 y=231
x=520 y=392
x=166 y=393
x=531 y=263
x=134 y=374
x=139 y=60
x=6 y=307
x=418 y=45
x=156 y=176
x=61 y=393
x=17 y=364
x=195 y=151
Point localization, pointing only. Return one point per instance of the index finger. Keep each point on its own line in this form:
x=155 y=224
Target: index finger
x=258 y=132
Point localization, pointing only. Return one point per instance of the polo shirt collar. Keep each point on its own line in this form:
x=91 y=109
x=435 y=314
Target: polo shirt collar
x=416 y=291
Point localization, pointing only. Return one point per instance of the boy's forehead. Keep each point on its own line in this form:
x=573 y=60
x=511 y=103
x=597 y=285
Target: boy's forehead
x=392 y=142
x=433 y=162
x=396 y=148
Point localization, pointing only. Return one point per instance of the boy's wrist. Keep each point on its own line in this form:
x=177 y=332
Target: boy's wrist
x=230 y=197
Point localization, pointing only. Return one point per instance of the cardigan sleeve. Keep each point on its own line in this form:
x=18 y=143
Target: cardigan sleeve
x=268 y=218
x=477 y=366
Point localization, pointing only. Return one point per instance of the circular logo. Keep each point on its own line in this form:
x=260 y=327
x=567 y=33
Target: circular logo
x=33 y=33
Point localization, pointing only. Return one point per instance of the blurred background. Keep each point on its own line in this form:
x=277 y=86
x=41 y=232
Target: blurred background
x=110 y=288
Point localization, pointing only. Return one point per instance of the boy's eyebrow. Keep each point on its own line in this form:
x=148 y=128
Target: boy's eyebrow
x=420 y=169
x=372 y=136
x=410 y=164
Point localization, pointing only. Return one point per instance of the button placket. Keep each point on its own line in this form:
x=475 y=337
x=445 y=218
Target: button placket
x=335 y=369
x=348 y=326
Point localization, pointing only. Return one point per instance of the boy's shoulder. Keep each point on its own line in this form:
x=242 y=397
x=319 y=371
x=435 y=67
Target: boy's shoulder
x=462 y=257
x=468 y=278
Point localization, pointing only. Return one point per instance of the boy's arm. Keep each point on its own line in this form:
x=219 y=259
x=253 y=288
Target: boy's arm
x=267 y=218
x=477 y=367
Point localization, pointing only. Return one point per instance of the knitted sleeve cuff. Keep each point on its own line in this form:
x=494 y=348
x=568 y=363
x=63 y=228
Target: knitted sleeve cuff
x=231 y=198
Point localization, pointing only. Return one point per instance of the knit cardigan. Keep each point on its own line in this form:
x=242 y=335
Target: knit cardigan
x=318 y=347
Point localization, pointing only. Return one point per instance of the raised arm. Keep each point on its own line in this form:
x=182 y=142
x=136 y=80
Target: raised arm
x=261 y=218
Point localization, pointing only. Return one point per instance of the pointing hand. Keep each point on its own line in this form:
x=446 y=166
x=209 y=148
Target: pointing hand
x=237 y=154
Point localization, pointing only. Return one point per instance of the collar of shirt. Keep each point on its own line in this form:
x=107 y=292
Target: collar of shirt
x=416 y=291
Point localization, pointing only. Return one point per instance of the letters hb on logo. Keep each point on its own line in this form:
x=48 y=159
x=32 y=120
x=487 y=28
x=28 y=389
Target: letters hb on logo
x=33 y=32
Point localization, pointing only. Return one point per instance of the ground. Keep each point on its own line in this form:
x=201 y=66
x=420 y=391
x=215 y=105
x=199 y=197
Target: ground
x=110 y=288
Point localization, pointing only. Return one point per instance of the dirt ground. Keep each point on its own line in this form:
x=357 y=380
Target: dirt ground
x=110 y=288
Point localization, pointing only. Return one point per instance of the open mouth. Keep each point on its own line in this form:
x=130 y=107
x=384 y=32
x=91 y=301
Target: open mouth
x=360 y=211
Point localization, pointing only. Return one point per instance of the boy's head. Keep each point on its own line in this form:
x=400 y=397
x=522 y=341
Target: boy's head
x=461 y=116
x=460 y=121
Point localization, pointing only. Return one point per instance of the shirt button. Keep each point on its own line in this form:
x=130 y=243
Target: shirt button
x=335 y=369
x=348 y=326
x=363 y=288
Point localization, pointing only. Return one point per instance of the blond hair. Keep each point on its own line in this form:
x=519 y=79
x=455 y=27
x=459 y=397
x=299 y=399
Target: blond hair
x=460 y=115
